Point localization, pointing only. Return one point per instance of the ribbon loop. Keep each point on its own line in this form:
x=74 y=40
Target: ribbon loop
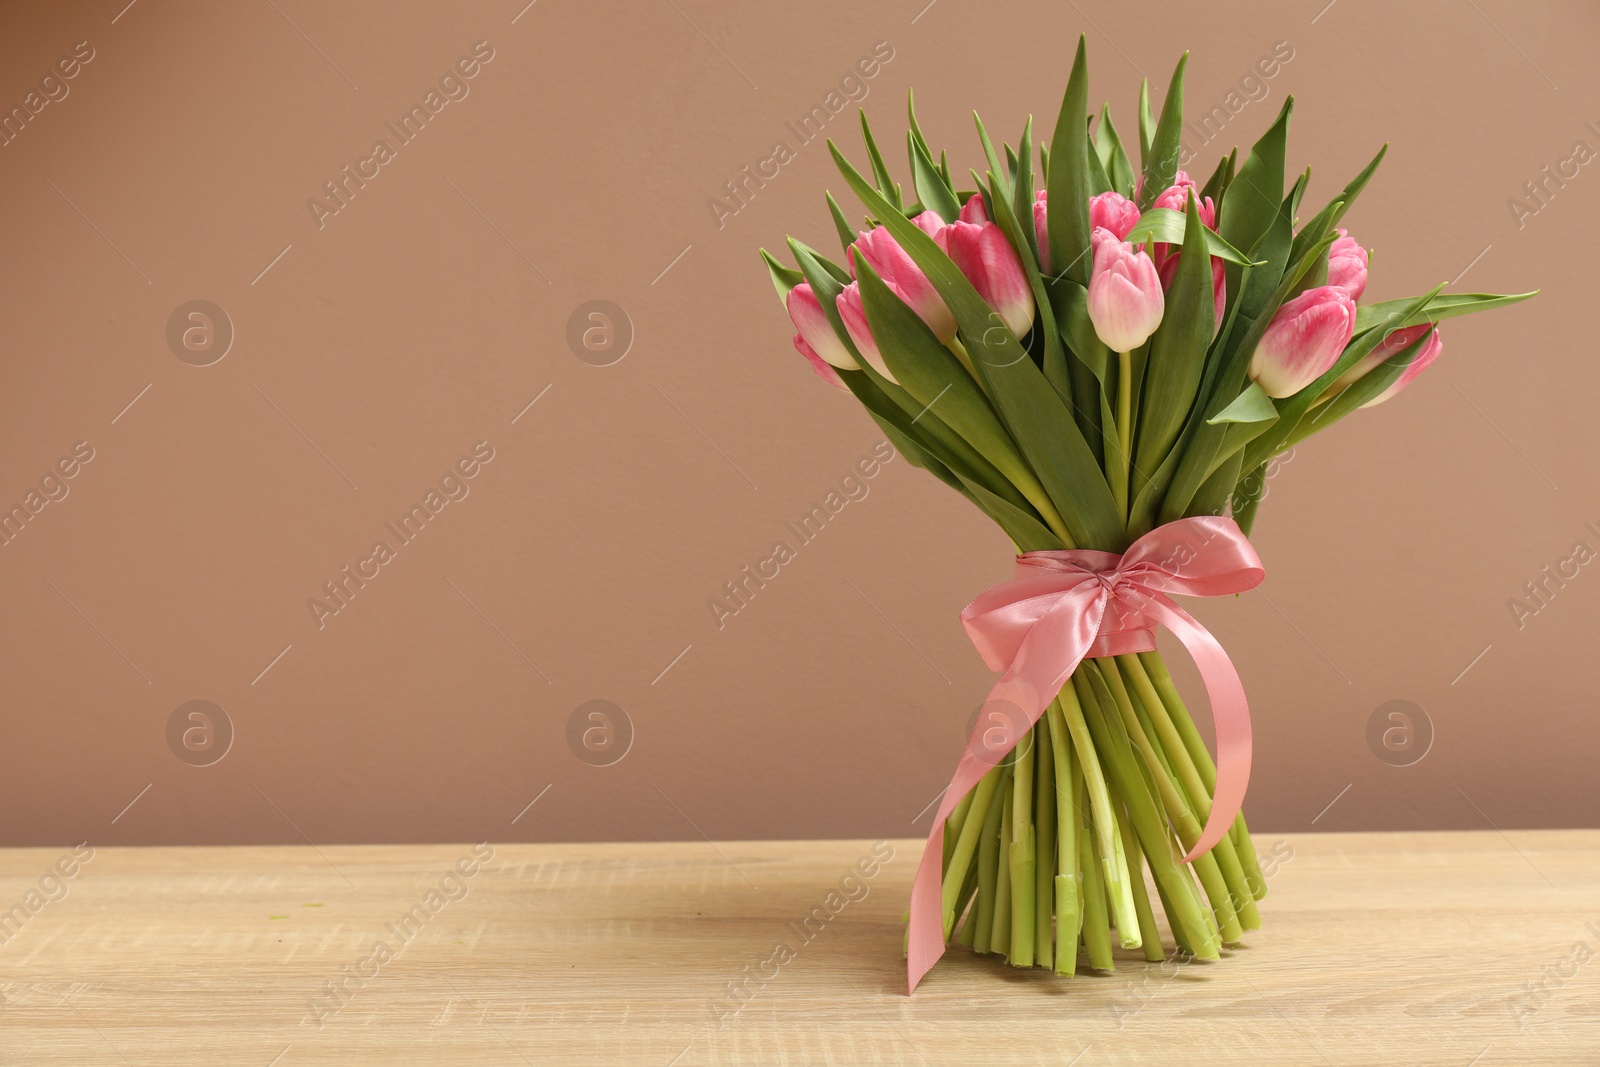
x=1067 y=606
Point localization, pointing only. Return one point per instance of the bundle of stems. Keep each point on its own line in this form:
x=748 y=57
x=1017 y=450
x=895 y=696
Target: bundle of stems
x=1045 y=859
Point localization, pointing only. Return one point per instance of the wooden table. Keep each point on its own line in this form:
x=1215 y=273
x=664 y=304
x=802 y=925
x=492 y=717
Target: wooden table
x=1391 y=949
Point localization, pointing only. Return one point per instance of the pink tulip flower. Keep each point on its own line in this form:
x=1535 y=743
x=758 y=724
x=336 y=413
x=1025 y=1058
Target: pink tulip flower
x=815 y=330
x=903 y=277
x=855 y=324
x=1305 y=338
x=1125 y=299
x=1347 y=266
x=982 y=253
x=973 y=210
x=1430 y=351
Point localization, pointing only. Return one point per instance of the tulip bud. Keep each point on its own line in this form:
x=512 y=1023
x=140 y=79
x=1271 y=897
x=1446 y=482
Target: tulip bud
x=1125 y=300
x=1430 y=351
x=974 y=211
x=983 y=254
x=824 y=369
x=903 y=277
x=855 y=324
x=1347 y=266
x=815 y=330
x=1394 y=341
x=1305 y=338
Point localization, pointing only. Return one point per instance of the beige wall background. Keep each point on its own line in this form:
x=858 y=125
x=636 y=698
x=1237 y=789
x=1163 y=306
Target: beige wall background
x=373 y=349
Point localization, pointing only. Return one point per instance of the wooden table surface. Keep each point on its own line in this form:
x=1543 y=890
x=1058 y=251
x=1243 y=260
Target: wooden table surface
x=1393 y=949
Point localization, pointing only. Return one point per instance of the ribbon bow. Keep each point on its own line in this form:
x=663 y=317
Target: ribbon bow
x=1065 y=607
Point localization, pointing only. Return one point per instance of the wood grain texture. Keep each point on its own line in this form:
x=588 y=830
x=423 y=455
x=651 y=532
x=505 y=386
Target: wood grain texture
x=1381 y=949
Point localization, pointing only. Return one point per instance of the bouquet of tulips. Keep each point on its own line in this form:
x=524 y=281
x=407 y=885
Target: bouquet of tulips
x=1089 y=352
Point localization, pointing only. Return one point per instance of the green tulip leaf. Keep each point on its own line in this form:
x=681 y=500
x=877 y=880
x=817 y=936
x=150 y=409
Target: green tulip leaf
x=1070 y=303
x=1177 y=357
x=916 y=131
x=1330 y=216
x=847 y=235
x=1253 y=198
x=1166 y=225
x=932 y=191
x=1022 y=191
x=1393 y=313
x=1217 y=184
x=1161 y=159
x=1020 y=524
x=783 y=279
x=1147 y=124
x=1113 y=157
x=1068 y=179
x=1099 y=179
x=1252 y=405
x=890 y=404
x=880 y=172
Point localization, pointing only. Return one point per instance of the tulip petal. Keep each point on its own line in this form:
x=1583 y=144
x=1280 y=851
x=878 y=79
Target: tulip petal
x=824 y=369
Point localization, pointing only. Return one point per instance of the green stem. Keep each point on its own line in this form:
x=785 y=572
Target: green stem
x=1149 y=935
x=1000 y=931
x=988 y=872
x=969 y=927
x=1021 y=854
x=966 y=907
x=1178 y=759
x=1044 y=817
x=1068 y=890
x=952 y=827
x=1244 y=847
x=1189 y=920
x=1115 y=874
x=1096 y=925
x=1178 y=811
x=956 y=872
x=1124 y=429
x=1175 y=756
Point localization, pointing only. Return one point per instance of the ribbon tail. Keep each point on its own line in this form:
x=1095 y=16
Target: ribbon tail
x=925 y=940
x=1230 y=711
x=1066 y=632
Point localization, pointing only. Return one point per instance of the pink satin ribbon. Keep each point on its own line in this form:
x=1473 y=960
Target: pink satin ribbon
x=1065 y=607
